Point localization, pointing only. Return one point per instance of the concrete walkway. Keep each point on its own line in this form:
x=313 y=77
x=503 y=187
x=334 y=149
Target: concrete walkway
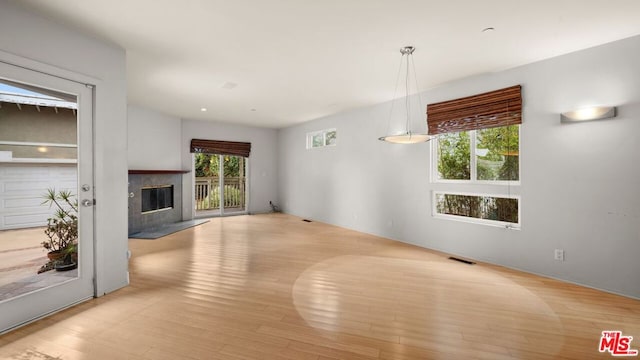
x=21 y=255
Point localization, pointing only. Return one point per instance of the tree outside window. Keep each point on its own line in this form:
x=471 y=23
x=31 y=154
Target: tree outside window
x=207 y=165
x=454 y=156
x=483 y=156
x=496 y=154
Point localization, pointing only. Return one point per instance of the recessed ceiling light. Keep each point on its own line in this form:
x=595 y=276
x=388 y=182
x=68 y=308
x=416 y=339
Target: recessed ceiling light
x=203 y=109
x=489 y=29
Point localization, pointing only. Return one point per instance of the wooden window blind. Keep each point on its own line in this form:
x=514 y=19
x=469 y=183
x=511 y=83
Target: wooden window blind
x=491 y=109
x=220 y=147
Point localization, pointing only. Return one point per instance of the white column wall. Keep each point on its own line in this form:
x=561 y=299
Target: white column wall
x=154 y=140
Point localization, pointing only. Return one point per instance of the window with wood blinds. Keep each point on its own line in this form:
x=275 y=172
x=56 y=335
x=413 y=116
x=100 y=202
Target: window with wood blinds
x=477 y=149
x=221 y=147
x=488 y=110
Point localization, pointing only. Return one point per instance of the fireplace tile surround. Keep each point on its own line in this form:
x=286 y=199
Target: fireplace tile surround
x=139 y=179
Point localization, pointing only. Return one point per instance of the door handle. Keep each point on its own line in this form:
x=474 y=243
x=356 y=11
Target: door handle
x=87 y=202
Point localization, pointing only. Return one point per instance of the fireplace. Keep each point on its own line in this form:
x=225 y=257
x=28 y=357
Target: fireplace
x=157 y=198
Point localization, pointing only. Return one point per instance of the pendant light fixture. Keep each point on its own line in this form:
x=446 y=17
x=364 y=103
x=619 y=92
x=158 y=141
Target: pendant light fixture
x=406 y=137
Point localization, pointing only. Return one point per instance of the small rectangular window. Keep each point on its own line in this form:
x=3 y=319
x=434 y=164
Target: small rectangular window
x=330 y=137
x=317 y=140
x=490 y=209
x=321 y=138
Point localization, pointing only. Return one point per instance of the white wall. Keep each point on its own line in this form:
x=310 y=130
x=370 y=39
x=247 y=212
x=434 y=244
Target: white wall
x=262 y=161
x=579 y=187
x=154 y=140
x=34 y=42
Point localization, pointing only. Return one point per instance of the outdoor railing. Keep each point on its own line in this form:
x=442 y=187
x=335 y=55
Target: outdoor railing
x=207 y=193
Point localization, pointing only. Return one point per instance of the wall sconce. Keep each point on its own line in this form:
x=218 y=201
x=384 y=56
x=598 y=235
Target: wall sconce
x=592 y=113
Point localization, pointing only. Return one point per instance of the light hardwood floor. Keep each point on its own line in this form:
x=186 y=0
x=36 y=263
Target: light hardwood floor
x=275 y=287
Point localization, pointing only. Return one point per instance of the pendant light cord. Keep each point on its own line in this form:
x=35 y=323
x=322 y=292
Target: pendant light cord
x=393 y=99
x=415 y=76
x=406 y=98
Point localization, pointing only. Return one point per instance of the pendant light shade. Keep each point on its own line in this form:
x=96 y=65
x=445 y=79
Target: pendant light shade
x=406 y=137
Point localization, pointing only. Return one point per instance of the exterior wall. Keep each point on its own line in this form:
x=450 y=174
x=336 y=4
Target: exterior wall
x=31 y=125
x=579 y=182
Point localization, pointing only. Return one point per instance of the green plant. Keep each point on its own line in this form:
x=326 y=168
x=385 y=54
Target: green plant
x=208 y=165
x=62 y=226
x=70 y=253
x=454 y=156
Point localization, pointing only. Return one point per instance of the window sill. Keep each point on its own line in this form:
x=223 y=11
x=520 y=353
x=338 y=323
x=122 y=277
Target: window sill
x=469 y=182
x=498 y=224
x=39 y=161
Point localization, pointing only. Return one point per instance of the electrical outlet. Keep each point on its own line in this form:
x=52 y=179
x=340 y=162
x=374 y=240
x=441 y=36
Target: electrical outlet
x=558 y=254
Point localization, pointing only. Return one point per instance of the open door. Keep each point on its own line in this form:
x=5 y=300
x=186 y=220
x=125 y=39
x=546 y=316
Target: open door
x=47 y=195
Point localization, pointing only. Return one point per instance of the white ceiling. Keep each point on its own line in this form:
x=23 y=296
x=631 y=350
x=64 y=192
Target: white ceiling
x=297 y=60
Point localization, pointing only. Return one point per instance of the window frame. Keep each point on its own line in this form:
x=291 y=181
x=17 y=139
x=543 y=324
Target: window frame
x=435 y=175
x=324 y=132
x=509 y=189
x=488 y=222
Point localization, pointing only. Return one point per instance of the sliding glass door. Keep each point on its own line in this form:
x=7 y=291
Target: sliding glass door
x=220 y=185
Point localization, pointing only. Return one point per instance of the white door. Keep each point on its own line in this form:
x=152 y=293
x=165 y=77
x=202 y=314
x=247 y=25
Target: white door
x=24 y=300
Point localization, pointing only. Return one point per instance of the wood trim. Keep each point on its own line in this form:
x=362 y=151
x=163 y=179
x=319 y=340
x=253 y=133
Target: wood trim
x=159 y=171
x=491 y=109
